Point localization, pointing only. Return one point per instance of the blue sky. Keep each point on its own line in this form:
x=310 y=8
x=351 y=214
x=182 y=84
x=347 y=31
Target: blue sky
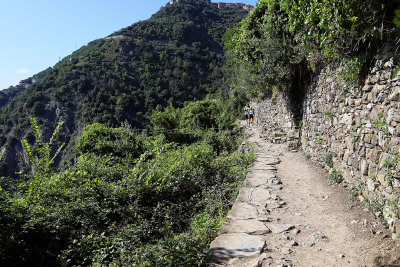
x=35 y=34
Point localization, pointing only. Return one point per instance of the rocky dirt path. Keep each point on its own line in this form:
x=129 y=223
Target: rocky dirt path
x=286 y=214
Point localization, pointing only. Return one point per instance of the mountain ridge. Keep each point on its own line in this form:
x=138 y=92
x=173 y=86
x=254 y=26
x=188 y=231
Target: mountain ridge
x=173 y=57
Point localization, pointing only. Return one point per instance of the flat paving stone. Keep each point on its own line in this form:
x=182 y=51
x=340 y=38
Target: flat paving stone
x=228 y=246
x=260 y=196
x=269 y=161
x=245 y=226
x=280 y=228
x=242 y=211
x=257 y=196
x=257 y=181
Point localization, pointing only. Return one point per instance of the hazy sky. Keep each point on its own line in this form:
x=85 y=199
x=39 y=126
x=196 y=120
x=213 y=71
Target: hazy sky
x=35 y=34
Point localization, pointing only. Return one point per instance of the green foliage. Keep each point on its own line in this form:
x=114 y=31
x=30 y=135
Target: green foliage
x=351 y=71
x=328 y=159
x=396 y=72
x=353 y=192
x=259 y=52
x=336 y=28
x=40 y=159
x=99 y=139
x=318 y=141
x=328 y=115
x=130 y=200
x=173 y=57
x=396 y=20
x=283 y=41
x=195 y=121
x=379 y=123
x=335 y=177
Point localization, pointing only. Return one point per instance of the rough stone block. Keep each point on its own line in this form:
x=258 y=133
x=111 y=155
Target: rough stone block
x=364 y=167
x=375 y=113
x=367 y=138
x=346 y=155
x=356 y=164
x=396 y=117
x=385 y=76
x=372 y=80
x=374 y=140
x=370 y=185
x=367 y=88
x=371 y=168
x=381 y=179
x=391 y=130
x=347 y=119
x=384 y=156
x=394 y=95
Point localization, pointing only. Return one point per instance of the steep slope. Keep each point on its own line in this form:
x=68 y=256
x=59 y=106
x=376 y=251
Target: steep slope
x=173 y=57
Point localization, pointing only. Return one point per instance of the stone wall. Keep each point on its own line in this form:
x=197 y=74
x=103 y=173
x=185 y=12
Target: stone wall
x=353 y=133
x=278 y=123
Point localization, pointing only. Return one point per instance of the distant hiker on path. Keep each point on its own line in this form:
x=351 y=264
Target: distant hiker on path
x=246 y=113
x=251 y=115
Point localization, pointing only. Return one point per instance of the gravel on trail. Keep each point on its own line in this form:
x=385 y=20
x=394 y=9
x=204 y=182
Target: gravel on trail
x=286 y=214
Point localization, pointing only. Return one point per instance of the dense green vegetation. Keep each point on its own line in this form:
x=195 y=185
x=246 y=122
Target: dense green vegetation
x=130 y=199
x=173 y=57
x=282 y=42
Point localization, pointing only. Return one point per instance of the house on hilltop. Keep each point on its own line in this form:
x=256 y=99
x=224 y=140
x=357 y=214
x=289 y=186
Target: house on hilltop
x=230 y=5
x=173 y=1
x=26 y=82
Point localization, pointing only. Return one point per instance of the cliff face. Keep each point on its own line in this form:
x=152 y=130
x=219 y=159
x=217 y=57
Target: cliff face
x=354 y=133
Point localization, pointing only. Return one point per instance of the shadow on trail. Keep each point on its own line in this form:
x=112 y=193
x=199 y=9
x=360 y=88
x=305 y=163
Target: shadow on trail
x=385 y=261
x=219 y=254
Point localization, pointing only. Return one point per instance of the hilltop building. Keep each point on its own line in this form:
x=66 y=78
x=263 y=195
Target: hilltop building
x=230 y=5
x=173 y=1
x=26 y=82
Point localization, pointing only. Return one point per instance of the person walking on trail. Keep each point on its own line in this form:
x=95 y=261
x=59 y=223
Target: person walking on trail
x=251 y=115
x=246 y=113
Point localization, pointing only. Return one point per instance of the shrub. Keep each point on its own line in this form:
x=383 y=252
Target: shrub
x=328 y=159
x=159 y=207
x=102 y=140
x=335 y=177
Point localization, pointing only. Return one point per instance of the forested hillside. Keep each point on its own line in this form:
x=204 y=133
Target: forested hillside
x=130 y=200
x=173 y=57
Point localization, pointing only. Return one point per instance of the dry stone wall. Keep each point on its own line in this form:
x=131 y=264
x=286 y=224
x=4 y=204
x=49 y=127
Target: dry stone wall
x=353 y=133
x=278 y=123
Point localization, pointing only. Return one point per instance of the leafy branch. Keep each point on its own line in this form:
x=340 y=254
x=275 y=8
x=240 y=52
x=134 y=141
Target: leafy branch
x=40 y=158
